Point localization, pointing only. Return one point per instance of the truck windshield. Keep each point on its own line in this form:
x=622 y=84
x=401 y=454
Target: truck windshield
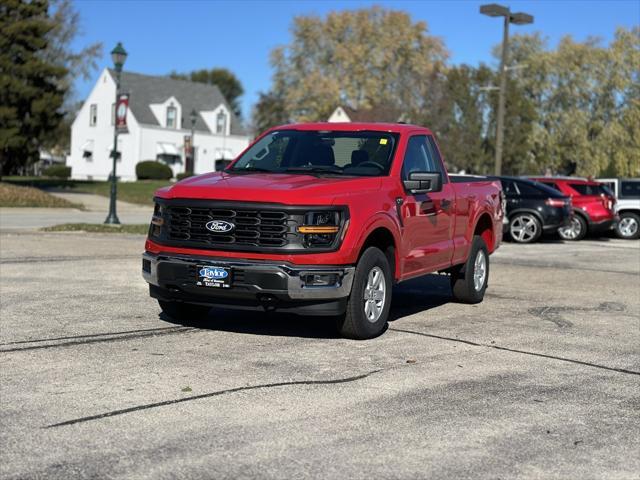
x=365 y=153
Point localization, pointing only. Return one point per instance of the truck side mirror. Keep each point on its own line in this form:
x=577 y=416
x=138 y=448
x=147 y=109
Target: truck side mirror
x=423 y=182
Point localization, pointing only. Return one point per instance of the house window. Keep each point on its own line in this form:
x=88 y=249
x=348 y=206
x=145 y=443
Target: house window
x=221 y=123
x=171 y=117
x=93 y=115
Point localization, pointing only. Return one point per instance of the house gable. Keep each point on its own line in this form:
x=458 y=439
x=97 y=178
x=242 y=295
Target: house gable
x=148 y=92
x=218 y=119
x=162 y=114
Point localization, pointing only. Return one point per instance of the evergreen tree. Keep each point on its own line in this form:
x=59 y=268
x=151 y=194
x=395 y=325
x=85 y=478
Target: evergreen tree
x=31 y=91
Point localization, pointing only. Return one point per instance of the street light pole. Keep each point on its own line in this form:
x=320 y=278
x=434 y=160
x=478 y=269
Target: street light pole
x=494 y=10
x=118 y=55
x=502 y=97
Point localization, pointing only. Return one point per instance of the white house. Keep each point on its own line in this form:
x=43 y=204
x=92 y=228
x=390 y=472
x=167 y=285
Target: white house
x=158 y=120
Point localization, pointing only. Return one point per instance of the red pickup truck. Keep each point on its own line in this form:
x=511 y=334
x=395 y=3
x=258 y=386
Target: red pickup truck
x=322 y=219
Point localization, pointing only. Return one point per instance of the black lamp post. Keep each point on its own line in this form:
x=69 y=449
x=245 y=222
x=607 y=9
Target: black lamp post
x=495 y=10
x=118 y=55
x=192 y=153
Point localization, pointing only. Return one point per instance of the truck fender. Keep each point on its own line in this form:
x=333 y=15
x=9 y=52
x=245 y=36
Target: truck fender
x=380 y=220
x=490 y=239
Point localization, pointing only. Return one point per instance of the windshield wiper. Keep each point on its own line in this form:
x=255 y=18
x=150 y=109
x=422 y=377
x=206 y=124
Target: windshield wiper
x=314 y=169
x=251 y=169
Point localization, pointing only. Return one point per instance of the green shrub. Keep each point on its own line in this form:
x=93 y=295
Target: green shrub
x=57 y=171
x=153 y=170
x=183 y=175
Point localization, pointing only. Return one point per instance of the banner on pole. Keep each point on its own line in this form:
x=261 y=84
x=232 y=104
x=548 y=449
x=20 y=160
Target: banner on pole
x=122 y=105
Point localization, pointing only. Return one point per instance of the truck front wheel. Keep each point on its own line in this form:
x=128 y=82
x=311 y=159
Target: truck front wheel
x=469 y=280
x=184 y=312
x=370 y=300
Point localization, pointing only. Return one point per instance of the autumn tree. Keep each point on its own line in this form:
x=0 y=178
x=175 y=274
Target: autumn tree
x=359 y=59
x=458 y=117
x=229 y=85
x=587 y=103
x=268 y=112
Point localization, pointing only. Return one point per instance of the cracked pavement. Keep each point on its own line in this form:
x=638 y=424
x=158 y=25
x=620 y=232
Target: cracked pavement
x=541 y=380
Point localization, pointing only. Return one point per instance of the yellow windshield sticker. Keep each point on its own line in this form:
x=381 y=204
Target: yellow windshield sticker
x=383 y=141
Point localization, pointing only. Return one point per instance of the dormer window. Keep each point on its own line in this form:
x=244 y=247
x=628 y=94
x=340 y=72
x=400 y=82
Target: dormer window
x=172 y=113
x=221 y=123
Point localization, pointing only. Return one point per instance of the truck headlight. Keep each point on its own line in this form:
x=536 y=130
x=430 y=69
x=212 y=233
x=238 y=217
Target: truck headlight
x=157 y=221
x=320 y=228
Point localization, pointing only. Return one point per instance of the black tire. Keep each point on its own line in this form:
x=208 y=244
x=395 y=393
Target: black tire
x=629 y=226
x=463 y=277
x=525 y=228
x=355 y=323
x=184 y=312
x=576 y=230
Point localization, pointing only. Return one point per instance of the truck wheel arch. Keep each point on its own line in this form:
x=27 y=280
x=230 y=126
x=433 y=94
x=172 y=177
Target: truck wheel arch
x=484 y=229
x=381 y=236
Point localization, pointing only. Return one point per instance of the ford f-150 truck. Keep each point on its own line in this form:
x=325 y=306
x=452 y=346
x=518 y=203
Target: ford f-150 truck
x=322 y=219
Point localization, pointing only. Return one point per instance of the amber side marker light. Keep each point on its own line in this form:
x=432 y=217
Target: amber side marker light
x=318 y=229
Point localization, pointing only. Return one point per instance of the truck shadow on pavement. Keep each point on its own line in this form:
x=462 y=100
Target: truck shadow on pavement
x=413 y=296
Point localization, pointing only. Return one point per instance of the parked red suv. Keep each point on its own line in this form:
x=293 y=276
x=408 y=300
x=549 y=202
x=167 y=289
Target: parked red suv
x=593 y=206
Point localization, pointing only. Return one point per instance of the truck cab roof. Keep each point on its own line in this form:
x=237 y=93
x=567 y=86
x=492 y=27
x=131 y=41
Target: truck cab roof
x=354 y=127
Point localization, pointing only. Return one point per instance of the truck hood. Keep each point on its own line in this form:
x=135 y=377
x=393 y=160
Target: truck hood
x=290 y=189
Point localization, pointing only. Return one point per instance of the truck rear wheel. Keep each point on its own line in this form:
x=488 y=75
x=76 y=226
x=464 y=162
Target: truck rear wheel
x=629 y=226
x=185 y=312
x=370 y=300
x=469 y=281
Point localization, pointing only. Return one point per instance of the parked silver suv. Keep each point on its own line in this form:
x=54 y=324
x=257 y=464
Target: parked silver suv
x=627 y=191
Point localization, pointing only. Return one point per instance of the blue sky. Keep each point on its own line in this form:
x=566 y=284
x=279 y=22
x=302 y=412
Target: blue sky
x=163 y=35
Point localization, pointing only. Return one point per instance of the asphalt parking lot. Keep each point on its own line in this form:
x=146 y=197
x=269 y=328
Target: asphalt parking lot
x=541 y=380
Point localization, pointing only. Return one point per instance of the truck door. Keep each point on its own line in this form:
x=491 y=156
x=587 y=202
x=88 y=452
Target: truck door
x=427 y=218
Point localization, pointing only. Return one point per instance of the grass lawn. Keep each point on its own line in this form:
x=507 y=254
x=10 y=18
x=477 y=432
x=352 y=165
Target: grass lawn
x=23 y=196
x=98 y=228
x=140 y=192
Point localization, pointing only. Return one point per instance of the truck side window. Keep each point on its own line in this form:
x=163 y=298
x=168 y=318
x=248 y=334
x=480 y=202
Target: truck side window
x=630 y=189
x=437 y=159
x=416 y=158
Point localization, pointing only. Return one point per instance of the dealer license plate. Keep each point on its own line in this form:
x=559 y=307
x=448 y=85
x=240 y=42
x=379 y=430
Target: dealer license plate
x=212 y=276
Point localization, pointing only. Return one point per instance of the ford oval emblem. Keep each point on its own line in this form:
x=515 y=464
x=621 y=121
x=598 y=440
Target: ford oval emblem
x=219 y=226
x=213 y=273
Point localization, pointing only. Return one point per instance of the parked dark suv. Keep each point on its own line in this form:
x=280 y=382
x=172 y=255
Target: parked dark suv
x=533 y=209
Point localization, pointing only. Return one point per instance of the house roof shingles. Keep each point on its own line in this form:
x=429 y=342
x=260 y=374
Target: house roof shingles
x=147 y=89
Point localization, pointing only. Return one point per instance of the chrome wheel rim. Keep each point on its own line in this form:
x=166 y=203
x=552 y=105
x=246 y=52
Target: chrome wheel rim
x=572 y=231
x=479 y=270
x=375 y=293
x=628 y=227
x=524 y=228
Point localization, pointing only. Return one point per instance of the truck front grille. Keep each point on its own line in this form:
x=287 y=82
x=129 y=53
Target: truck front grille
x=251 y=227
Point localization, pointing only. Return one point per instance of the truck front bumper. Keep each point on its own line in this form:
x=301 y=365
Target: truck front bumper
x=254 y=285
